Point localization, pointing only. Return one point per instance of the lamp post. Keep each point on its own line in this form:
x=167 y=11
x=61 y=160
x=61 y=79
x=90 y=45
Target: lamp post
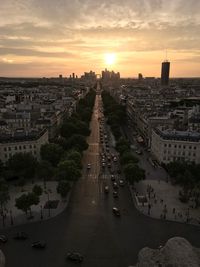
x=11 y=218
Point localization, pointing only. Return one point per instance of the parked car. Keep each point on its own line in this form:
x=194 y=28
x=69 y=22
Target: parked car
x=115 y=194
x=75 y=256
x=112 y=177
x=89 y=166
x=121 y=182
x=139 y=152
x=106 y=189
x=116 y=211
x=20 y=236
x=115 y=185
x=3 y=238
x=38 y=244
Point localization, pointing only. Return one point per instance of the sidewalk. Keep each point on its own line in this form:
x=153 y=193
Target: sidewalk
x=40 y=212
x=160 y=200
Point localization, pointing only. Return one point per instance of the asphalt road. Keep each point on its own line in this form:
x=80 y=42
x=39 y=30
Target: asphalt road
x=89 y=227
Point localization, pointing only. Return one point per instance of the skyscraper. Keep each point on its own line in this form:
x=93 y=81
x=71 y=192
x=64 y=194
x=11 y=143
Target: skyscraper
x=165 y=73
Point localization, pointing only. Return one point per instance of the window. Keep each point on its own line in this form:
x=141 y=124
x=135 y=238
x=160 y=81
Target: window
x=5 y=148
x=34 y=152
x=184 y=147
x=179 y=146
x=15 y=147
x=20 y=147
x=183 y=153
x=30 y=146
x=6 y=156
x=190 y=147
x=24 y=147
x=34 y=146
x=165 y=145
x=165 y=151
x=169 y=145
x=175 y=146
x=9 y=148
x=195 y=147
x=194 y=154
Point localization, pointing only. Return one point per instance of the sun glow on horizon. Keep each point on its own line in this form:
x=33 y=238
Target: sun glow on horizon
x=110 y=58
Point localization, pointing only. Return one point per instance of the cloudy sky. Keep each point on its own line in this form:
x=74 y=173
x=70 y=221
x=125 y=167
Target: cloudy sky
x=52 y=37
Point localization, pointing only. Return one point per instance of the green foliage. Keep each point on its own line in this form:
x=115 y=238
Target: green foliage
x=67 y=170
x=75 y=156
x=22 y=165
x=25 y=201
x=77 y=142
x=133 y=173
x=122 y=145
x=45 y=170
x=63 y=188
x=37 y=190
x=128 y=157
x=51 y=153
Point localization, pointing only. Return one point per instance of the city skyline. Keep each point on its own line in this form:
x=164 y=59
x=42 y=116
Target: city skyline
x=49 y=38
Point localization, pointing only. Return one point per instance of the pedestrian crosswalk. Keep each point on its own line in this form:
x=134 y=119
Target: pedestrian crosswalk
x=94 y=176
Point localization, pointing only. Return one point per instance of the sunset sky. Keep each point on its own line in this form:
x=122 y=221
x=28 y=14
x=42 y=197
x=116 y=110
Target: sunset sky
x=51 y=37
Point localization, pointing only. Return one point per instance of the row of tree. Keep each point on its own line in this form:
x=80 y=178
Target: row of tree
x=116 y=117
x=60 y=160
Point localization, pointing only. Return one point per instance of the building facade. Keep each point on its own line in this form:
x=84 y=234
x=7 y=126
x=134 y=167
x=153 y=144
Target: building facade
x=22 y=143
x=170 y=145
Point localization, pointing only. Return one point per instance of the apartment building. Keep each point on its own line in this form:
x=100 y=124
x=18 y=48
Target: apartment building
x=171 y=145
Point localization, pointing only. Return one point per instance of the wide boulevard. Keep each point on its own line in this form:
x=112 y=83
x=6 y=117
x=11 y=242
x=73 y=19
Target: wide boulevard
x=89 y=226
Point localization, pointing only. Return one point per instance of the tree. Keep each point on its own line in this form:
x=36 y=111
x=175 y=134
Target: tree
x=133 y=173
x=63 y=188
x=37 y=190
x=4 y=193
x=25 y=201
x=77 y=142
x=128 y=157
x=67 y=170
x=45 y=170
x=75 y=156
x=122 y=145
x=23 y=165
x=51 y=153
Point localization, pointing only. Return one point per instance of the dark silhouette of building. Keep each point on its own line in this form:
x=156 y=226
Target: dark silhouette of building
x=165 y=73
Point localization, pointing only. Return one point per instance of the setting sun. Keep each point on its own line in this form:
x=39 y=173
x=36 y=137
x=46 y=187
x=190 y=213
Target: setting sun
x=110 y=58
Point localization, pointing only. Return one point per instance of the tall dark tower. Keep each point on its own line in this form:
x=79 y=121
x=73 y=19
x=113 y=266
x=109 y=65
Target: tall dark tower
x=165 y=73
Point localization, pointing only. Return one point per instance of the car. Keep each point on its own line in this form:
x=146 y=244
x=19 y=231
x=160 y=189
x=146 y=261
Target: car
x=115 y=194
x=20 y=236
x=89 y=166
x=116 y=211
x=112 y=177
x=115 y=185
x=38 y=244
x=103 y=164
x=75 y=256
x=3 y=238
x=114 y=159
x=121 y=182
x=139 y=152
x=106 y=189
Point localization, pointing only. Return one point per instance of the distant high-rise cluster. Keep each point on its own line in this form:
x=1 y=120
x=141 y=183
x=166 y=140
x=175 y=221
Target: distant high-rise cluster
x=110 y=75
x=165 y=73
